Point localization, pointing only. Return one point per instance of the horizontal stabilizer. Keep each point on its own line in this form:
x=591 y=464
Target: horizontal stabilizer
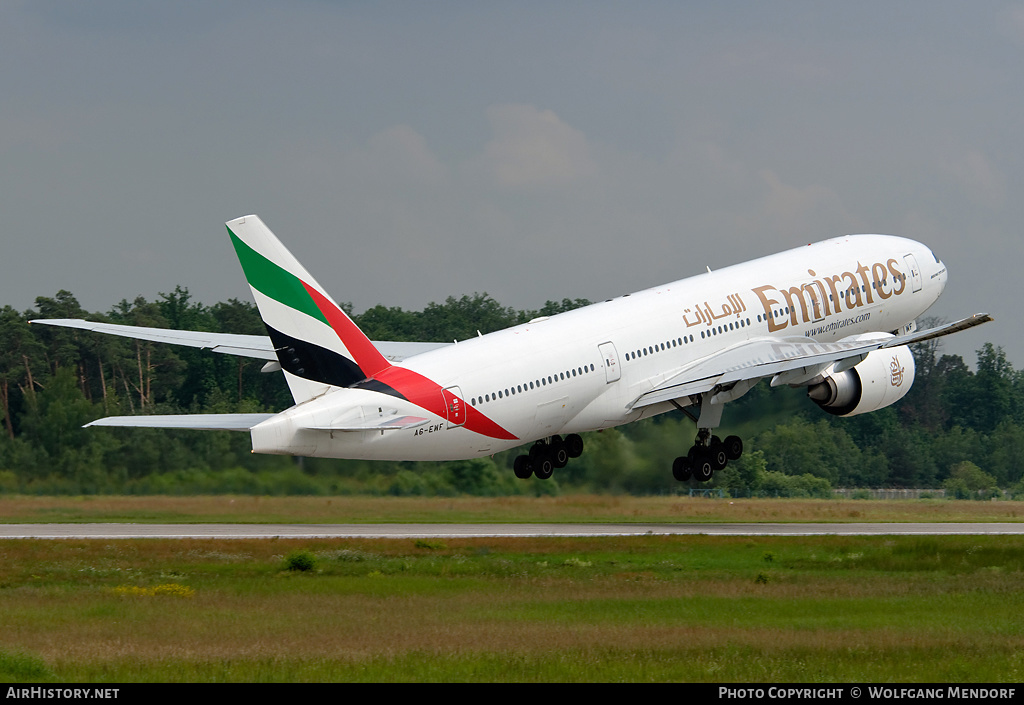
x=198 y=422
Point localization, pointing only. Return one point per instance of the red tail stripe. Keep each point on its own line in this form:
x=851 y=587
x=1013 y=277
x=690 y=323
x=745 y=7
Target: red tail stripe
x=418 y=389
x=428 y=395
x=369 y=359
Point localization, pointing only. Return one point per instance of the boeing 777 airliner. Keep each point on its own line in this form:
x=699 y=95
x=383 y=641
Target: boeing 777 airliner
x=835 y=317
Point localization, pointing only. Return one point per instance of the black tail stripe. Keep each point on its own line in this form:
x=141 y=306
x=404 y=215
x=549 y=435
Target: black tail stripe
x=312 y=362
x=377 y=386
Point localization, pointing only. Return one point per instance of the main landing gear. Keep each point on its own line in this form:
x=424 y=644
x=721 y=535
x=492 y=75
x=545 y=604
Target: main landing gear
x=545 y=456
x=707 y=454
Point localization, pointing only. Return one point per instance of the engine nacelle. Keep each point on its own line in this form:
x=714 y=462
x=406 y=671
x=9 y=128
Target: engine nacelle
x=882 y=378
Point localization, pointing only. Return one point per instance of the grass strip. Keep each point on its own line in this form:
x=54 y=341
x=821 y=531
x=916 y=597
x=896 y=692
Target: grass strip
x=637 y=609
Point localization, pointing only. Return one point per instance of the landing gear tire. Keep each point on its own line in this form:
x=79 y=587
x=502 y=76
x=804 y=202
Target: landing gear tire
x=717 y=455
x=559 y=452
x=542 y=461
x=522 y=467
x=733 y=447
x=681 y=468
x=574 y=445
x=700 y=464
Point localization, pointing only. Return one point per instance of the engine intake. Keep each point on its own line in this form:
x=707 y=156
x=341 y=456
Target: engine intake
x=882 y=378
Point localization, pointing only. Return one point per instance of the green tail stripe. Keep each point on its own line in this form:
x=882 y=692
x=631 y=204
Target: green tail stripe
x=273 y=281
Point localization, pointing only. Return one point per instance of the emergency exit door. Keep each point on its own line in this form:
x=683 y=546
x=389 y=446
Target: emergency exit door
x=611 y=362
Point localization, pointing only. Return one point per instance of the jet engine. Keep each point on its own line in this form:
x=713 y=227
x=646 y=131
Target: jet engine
x=882 y=378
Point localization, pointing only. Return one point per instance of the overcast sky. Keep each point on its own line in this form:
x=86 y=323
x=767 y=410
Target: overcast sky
x=408 y=151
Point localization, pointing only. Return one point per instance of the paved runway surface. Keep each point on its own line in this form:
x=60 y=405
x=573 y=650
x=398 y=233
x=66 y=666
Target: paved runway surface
x=308 y=531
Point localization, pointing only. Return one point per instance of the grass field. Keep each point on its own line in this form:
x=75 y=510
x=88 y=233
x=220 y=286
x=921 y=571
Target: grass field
x=635 y=609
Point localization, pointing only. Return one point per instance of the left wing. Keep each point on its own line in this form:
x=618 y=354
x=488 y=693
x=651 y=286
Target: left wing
x=257 y=346
x=793 y=360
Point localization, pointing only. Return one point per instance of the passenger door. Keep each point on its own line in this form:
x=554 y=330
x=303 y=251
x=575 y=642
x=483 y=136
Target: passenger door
x=455 y=406
x=611 y=362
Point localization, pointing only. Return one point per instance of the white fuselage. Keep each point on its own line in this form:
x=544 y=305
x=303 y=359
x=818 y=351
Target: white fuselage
x=583 y=370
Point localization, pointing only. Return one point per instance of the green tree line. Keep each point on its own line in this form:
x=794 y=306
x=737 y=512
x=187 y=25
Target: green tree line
x=958 y=428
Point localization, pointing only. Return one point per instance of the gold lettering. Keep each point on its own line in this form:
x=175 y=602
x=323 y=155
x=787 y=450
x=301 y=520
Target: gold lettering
x=812 y=298
x=835 y=293
x=878 y=276
x=797 y=292
x=766 y=304
x=897 y=276
x=863 y=272
x=853 y=292
x=821 y=300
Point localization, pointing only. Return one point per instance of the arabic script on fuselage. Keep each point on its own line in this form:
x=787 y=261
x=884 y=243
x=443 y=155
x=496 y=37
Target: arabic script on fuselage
x=708 y=315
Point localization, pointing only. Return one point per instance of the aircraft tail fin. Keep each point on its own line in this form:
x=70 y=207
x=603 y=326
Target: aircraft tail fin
x=317 y=344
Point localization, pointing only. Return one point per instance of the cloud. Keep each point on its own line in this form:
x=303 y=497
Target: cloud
x=534 y=148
